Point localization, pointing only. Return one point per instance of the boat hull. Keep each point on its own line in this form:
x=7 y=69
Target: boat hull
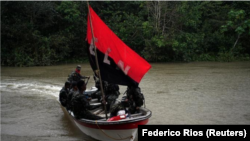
x=125 y=130
x=108 y=135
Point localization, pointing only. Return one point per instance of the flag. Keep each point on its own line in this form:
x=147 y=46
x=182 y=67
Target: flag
x=118 y=63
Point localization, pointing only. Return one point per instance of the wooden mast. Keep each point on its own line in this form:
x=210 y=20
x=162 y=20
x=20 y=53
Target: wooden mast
x=96 y=59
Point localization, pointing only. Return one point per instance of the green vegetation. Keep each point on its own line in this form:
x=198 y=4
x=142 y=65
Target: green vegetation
x=39 y=33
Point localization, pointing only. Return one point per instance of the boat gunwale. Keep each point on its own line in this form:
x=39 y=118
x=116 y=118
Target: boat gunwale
x=123 y=121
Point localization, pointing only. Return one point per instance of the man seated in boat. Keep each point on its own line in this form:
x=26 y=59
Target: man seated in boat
x=98 y=94
x=73 y=92
x=63 y=95
x=135 y=98
x=123 y=105
x=111 y=94
x=76 y=76
x=131 y=103
x=80 y=104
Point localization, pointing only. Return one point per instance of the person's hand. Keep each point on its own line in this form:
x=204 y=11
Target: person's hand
x=97 y=72
x=103 y=102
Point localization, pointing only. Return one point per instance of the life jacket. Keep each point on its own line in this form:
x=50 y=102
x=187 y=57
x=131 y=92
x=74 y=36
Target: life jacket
x=121 y=114
x=119 y=117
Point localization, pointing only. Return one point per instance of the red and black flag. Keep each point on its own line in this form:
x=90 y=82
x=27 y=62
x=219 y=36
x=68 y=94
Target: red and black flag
x=117 y=62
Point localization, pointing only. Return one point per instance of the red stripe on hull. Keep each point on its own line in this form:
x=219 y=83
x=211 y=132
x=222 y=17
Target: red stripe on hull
x=122 y=126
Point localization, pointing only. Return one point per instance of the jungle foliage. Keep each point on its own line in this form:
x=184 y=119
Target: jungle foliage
x=40 y=33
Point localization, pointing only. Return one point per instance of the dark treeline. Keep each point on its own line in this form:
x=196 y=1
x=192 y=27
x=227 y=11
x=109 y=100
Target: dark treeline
x=38 y=33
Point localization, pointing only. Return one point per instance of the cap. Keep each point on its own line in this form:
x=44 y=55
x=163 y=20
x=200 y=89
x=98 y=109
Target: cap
x=67 y=83
x=74 y=84
x=78 y=67
x=80 y=83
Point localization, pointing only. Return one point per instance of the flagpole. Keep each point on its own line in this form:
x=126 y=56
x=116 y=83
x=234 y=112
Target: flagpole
x=96 y=59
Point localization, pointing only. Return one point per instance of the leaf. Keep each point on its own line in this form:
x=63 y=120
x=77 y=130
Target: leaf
x=240 y=30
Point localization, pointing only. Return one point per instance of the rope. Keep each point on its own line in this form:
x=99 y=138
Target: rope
x=130 y=137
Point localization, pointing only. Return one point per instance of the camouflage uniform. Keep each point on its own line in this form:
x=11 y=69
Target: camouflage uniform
x=63 y=95
x=80 y=107
x=75 y=77
x=115 y=108
x=135 y=98
x=111 y=93
x=98 y=94
x=72 y=93
x=123 y=105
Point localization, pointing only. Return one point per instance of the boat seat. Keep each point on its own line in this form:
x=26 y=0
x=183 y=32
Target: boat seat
x=95 y=104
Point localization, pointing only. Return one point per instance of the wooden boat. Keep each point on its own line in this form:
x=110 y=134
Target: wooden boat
x=114 y=62
x=124 y=129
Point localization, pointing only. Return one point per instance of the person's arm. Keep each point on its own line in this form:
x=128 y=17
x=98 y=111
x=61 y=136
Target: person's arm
x=70 y=78
x=84 y=77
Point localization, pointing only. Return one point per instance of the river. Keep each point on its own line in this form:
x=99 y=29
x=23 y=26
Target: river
x=176 y=93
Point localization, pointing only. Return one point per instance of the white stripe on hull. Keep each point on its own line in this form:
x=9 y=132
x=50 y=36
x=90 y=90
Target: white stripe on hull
x=109 y=135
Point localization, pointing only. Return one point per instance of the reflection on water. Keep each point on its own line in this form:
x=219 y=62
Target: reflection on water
x=178 y=93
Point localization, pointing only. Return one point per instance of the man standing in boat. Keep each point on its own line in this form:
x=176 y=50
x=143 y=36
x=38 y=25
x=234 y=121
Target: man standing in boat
x=75 y=76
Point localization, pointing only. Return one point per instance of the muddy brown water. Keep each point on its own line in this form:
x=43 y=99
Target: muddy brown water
x=176 y=93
